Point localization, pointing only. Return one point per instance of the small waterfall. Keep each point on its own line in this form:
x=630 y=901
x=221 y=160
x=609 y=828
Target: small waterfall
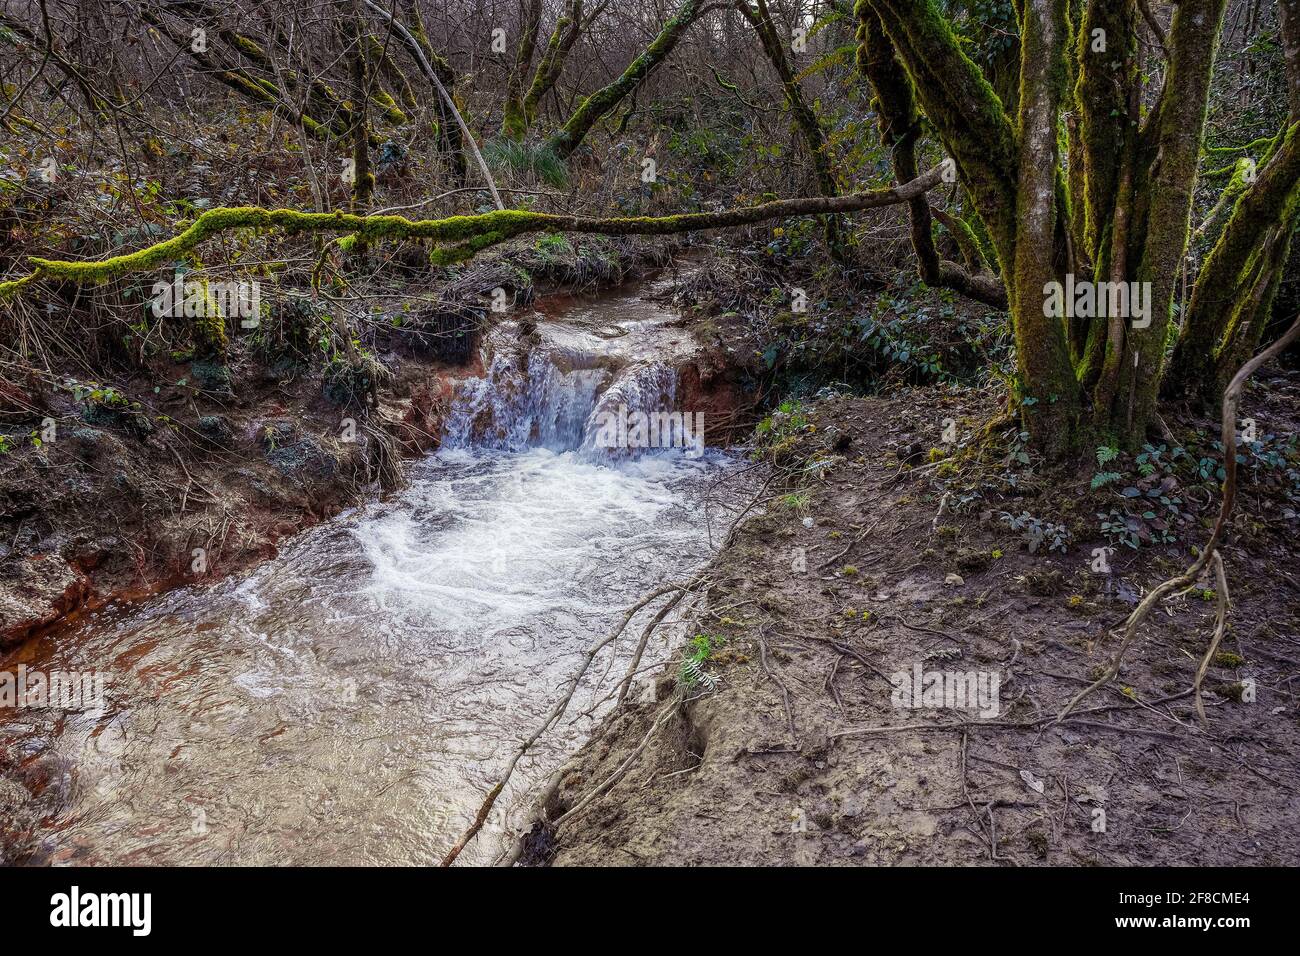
x=639 y=411
x=523 y=402
x=371 y=680
x=526 y=401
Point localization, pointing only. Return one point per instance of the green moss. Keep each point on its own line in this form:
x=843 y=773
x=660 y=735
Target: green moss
x=1163 y=220
x=1105 y=83
x=483 y=230
x=10 y=289
x=548 y=71
x=248 y=47
x=513 y=125
x=964 y=109
x=392 y=113
x=599 y=104
x=1221 y=310
x=465 y=251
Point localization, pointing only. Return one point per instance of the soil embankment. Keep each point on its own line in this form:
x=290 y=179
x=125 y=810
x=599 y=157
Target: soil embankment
x=801 y=753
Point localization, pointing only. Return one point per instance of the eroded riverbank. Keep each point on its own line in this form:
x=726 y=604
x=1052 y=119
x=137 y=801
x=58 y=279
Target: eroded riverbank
x=351 y=699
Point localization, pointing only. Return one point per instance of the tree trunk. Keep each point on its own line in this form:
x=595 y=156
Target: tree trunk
x=805 y=119
x=513 y=123
x=1049 y=390
x=900 y=128
x=603 y=101
x=567 y=30
x=1175 y=134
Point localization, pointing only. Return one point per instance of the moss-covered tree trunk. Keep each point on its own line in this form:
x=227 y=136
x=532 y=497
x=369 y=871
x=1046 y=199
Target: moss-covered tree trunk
x=1174 y=136
x=568 y=27
x=1106 y=96
x=1233 y=294
x=1134 y=183
x=514 y=124
x=900 y=129
x=381 y=58
x=963 y=109
x=599 y=104
x=1232 y=300
x=1050 y=392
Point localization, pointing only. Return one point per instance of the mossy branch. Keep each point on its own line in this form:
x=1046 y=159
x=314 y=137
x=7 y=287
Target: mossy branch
x=604 y=100
x=566 y=32
x=465 y=235
x=1271 y=203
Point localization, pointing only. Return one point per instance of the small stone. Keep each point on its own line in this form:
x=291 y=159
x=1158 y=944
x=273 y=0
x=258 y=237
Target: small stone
x=954 y=580
x=1032 y=782
x=807 y=522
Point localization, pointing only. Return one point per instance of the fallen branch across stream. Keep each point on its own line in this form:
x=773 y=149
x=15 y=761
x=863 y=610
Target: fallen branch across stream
x=461 y=236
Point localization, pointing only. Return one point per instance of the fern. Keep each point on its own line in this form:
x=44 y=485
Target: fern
x=692 y=672
x=842 y=54
x=832 y=17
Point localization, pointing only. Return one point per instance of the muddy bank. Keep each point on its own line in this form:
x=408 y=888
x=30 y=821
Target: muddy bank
x=176 y=473
x=796 y=749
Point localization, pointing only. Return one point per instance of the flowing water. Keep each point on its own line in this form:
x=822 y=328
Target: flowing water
x=353 y=699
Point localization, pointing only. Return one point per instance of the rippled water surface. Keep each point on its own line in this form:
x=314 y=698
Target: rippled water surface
x=353 y=699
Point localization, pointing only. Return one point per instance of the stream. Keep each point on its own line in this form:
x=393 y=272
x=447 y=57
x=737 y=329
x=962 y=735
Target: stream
x=352 y=700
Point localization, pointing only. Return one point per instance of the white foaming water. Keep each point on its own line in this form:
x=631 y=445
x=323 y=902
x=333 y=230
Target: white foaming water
x=352 y=700
x=531 y=403
x=523 y=404
x=508 y=533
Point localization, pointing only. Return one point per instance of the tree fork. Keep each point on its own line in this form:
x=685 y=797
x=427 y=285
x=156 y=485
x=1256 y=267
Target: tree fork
x=514 y=125
x=899 y=129
x=601 y=103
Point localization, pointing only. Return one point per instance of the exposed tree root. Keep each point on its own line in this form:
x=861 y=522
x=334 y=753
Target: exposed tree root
x=695 y=584
x=556 y=713
x=1189 y=577
x=1220 y=628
